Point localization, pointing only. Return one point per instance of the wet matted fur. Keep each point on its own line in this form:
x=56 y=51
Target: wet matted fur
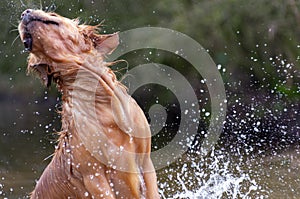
x=105 y=142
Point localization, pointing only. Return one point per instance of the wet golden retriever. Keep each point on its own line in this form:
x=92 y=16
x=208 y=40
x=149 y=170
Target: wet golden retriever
x=105 y=141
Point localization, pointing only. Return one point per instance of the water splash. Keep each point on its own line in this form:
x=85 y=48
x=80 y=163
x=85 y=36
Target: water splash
x=216 y=176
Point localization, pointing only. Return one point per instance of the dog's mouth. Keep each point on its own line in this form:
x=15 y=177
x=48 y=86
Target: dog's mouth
x=28 y=17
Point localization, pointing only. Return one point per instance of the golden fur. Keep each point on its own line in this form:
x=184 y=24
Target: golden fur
x=105 y=143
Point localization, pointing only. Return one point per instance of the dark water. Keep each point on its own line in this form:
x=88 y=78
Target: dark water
x=27 y=138
x=226 y=172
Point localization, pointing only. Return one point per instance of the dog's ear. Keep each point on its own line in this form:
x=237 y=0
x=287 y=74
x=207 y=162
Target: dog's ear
x=106 y=44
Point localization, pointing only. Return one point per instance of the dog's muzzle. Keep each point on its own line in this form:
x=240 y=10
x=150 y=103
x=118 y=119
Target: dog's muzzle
x=26 y=18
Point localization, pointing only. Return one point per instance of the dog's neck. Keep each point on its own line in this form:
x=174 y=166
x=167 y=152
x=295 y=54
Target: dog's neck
x=94 y=107
x=90 y=76
x=86 y=89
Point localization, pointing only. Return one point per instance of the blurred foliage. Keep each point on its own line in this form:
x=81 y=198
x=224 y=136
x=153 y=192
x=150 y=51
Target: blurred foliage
x=257 y=41
x=256 y=45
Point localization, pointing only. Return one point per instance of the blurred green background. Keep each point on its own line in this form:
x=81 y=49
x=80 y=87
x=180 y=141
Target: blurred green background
x=256 y=45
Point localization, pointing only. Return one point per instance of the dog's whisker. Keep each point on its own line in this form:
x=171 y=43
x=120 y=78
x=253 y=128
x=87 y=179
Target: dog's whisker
x=51 y=8
x=22 y=4
x=13 y=30
x=11 y=23
x=48 y=157
x=15 y=40
x=41 y=5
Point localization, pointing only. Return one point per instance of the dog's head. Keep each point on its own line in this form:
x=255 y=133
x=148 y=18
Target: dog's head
x=55 y=40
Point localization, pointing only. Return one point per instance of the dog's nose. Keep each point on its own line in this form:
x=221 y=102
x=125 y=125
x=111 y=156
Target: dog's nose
x=25 y=14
